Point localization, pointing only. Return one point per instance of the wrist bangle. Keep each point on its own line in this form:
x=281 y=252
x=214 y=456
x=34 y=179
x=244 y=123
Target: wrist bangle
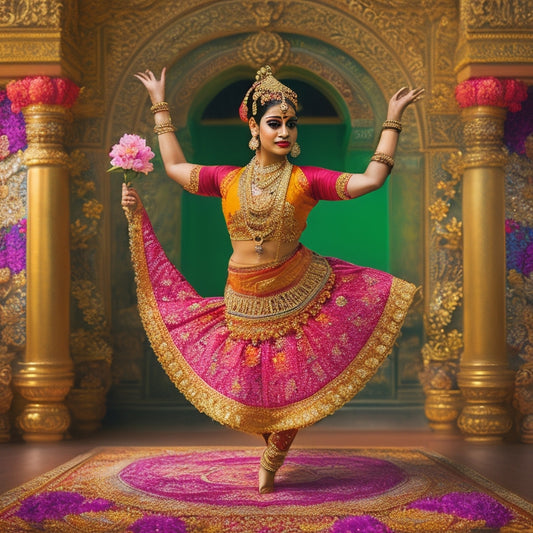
x=164 y=127
x=160 y=106
x=392 y=125
x=386 y=159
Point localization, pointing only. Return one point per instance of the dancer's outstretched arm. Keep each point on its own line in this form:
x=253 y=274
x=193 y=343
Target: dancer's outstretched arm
x=176 y=166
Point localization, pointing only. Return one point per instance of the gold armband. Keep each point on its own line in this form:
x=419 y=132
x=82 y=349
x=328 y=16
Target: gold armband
x=160 y=106
x=386 y=159
x=392 y=125
x=164 y=127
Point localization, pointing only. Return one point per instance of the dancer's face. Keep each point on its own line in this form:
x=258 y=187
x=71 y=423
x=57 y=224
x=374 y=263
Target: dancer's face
x=277 y=132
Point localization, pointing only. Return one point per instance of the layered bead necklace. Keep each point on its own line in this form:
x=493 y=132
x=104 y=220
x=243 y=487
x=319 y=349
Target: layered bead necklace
x=262 y=192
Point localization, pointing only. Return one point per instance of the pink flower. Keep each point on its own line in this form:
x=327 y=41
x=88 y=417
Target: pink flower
x=491 y=91
x=131 y=154
x=17 y=92
x=67 y=91
x=41 y=90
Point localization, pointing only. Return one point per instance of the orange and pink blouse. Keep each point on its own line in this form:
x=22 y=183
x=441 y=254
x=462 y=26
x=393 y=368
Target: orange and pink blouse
x=306 y=187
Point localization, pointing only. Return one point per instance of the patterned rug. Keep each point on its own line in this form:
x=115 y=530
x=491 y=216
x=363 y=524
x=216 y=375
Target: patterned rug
x=208 y=490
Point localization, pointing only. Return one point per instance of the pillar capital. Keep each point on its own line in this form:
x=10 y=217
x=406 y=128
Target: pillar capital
x=45 y=103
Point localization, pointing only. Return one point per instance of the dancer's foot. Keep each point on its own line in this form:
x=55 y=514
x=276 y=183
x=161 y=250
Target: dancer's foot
x=266 y=481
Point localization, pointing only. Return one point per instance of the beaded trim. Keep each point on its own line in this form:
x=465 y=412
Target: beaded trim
x=258 y=317
x=194 y=180
x=236 y=415
x=340 y=186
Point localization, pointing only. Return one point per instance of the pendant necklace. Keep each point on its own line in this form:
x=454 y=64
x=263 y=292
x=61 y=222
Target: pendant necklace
x=262 y=193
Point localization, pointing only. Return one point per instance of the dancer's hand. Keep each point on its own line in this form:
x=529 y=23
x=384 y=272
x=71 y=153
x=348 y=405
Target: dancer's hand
x=130 y=198
x=403 y=98
x=154 y=86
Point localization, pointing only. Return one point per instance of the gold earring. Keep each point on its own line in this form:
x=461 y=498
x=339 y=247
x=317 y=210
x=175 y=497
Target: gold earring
x=254 y=143
x=295 y=150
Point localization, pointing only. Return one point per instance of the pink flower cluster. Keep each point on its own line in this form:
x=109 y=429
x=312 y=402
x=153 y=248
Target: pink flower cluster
x=131 y=153
x=41 y=90
x=498 y=92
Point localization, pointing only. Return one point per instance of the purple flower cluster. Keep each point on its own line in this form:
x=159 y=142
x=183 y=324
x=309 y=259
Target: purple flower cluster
x=519 y=125
x=57 y=505
x=519 y=247
x=13 y=247
x=468 y=505
x=12 y=126
x=363 y=523
x=158 y=524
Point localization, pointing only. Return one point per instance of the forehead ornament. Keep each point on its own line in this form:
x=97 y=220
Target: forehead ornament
x=267 y=88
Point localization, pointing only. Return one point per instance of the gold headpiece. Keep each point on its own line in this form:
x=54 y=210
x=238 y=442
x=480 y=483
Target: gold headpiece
x=266 y=88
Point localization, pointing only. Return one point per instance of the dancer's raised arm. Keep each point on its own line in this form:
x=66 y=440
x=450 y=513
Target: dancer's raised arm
x=176 y=165
x=382 y=161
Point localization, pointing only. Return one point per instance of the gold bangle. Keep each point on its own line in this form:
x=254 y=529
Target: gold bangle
x=272 y=458
x=160 y=106
x=392 y=125
x=386 y=159
x=164 y=127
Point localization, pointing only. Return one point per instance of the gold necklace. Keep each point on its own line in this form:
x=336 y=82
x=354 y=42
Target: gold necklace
x=262 y=212
x=265 y=177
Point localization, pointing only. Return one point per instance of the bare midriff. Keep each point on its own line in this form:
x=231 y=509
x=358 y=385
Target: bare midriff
x=244 y=252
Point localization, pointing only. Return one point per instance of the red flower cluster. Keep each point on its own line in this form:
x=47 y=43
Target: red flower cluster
x=41 y=90
x=498 y=92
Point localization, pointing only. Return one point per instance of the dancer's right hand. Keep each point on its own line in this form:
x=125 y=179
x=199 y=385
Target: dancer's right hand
x=154 y=86
x=130 y=198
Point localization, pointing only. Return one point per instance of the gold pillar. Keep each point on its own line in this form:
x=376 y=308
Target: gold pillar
x=484 y=377
x=46 y=375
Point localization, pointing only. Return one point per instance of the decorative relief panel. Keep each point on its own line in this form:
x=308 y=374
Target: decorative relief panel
x=485 y=14
x=31 y=13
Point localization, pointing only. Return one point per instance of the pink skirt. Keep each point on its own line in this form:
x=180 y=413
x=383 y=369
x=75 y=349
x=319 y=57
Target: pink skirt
x=317 y=346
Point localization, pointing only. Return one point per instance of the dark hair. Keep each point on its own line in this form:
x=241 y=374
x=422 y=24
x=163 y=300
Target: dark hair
x=262 y=109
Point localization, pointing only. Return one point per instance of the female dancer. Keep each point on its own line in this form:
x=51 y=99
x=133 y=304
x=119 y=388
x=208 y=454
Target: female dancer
x=296 y=335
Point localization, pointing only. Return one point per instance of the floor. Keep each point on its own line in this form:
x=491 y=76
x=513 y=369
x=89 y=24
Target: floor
x=508 y=463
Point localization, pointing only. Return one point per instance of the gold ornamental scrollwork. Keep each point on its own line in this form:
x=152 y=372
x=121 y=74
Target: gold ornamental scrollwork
x=444 y=339
x=265 y=48
x=26 y=13
x=265 y=13
x=479 y=14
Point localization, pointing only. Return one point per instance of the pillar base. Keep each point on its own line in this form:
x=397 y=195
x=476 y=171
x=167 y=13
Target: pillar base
x=88 y=408
x=45 y=418
x=486 y=416
x=442 y=407
x=526 y=429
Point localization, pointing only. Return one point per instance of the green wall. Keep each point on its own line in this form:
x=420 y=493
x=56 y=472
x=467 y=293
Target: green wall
x=357 y=230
